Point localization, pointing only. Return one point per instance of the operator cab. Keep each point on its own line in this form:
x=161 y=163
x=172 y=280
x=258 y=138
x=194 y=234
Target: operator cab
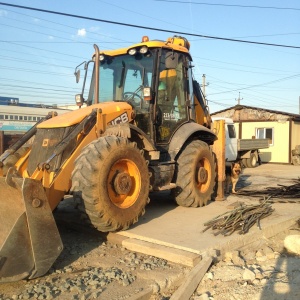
x=155 y=78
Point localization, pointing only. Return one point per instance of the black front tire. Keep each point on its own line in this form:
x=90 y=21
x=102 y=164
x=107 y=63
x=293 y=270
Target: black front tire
x=110 y=183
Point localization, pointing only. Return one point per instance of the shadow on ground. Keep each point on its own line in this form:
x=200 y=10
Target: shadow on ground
x=284 y=281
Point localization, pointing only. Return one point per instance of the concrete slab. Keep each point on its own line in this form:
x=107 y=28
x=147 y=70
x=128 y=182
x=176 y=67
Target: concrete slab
x=174 y=227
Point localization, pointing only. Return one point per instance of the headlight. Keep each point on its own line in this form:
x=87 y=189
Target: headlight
x=132 y=51
x=144 y=50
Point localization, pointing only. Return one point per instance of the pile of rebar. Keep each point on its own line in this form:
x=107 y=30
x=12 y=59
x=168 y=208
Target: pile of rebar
x=240 y=219
x=281 y=193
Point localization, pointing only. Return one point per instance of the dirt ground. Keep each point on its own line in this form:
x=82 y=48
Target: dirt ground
x=264 y=271
x=92 y=268
x=89 y=267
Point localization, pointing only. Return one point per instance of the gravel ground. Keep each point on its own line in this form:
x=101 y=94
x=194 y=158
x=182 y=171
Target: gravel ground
x=263 y=271
x=92 y=268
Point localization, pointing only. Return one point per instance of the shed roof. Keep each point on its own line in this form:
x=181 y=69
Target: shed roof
x=295 y=117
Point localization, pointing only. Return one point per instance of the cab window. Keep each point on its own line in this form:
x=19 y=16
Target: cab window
x=171 y=108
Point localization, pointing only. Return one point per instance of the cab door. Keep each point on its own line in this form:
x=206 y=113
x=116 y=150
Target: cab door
x=171 y=107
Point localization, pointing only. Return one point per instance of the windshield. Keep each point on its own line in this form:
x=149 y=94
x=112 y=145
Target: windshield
x=122 y=78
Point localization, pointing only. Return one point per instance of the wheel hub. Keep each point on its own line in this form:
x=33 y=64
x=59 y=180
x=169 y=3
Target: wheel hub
x=202 y=175
x=122 y=183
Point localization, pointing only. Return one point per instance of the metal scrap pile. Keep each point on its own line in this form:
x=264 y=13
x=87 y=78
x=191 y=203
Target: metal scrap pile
x=281 y=193
x=239 y=219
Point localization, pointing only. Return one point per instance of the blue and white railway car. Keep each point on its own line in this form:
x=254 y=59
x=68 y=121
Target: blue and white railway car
x=18 y=119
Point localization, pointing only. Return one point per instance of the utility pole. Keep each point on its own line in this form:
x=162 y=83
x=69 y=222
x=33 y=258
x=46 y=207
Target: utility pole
x=204 y=84
x=239 y=99
x=239 y=116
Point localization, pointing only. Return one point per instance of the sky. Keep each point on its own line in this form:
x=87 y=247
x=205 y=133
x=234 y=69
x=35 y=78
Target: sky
x=39 y=51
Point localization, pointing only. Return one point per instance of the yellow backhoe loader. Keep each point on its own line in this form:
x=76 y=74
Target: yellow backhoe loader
x=141 y=126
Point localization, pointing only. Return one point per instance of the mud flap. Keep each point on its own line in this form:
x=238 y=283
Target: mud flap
x=29 y=238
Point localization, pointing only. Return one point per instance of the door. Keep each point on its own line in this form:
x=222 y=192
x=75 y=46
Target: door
x=231 y=143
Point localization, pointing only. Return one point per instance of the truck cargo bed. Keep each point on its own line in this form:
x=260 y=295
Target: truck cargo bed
x=249 y=144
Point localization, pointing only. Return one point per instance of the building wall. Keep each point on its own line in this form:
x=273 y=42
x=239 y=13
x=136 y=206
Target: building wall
x=279 y=151
x=252 y=118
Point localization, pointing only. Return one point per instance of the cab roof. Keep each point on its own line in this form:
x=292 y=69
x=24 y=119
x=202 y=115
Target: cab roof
x=176 y=43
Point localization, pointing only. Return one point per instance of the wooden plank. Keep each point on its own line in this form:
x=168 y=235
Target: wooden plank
x=174 y=255
x=186 y=290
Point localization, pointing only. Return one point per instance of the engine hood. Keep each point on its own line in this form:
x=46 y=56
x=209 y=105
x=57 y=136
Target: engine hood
x=76 y=116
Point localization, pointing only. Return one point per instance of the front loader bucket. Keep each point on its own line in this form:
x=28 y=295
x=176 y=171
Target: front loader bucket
x=29 y=238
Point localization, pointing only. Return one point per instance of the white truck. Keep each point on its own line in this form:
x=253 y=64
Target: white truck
x=245 y=151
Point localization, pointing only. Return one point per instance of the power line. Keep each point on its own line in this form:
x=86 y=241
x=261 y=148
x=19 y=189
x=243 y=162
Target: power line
x=262 y=84
x=35 y=71
x=36 y=62
x=54 y=42
x=231 y=5
x=238 y=70
x=42 y=96
x=30 y=54
x=34 y=83
x=239 y=65
x=47 y=50
x=34 y=88
x=64 y=25
x=164 y=21
x=38 y=32
x=145 y=27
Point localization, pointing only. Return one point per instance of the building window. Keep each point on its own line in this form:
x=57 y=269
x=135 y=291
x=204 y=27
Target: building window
x=265 y=133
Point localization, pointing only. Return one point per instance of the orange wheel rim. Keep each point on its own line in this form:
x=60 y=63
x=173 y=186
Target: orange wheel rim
x=203 y=175
x=124 y=183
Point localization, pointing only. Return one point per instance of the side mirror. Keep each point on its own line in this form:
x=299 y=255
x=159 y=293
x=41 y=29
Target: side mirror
x=77 y=75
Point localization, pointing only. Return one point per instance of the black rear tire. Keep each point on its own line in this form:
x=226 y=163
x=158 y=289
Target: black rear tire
x=110 y=183
x=195 y=175
x=252 y=161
